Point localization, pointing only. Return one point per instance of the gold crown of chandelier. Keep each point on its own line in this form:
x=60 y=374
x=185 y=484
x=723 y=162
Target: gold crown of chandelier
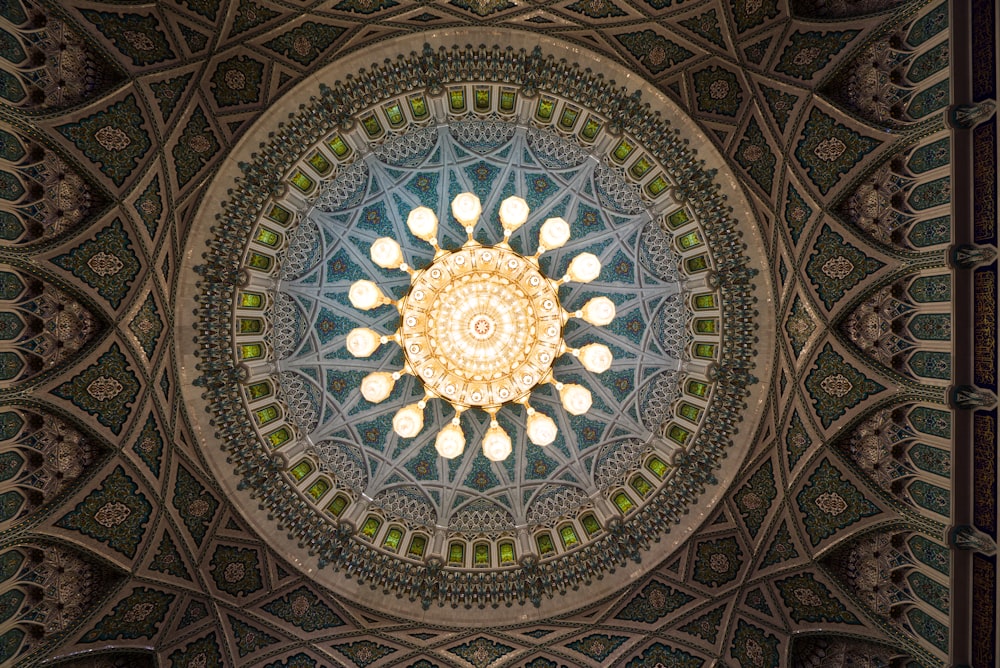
x=481 y=326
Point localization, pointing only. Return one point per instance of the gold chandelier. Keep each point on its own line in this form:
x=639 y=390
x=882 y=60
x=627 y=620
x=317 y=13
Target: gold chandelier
x=480 y=327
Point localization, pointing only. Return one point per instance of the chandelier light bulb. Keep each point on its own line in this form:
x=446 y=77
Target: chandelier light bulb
x=365 y=295
x=408 y=421
x=541 y=429
x=553 y=234
x=377 y=386
x=513 y=213
x=386 y=253
x=576 y=399
x=362 y=342
x=496 y=443
x=599 y=311
x=596 y=357
x=584 y=268
x=466 y=208
x=450 y=441
x=423 y=223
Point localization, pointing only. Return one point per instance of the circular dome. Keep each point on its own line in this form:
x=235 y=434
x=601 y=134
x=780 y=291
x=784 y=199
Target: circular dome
x=288 y=429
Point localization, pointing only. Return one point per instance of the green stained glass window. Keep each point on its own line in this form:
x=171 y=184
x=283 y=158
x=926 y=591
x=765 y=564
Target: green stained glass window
x=456 y=97
x=696 y=263
x=417 y=546
x=677 y=218
x=704 y=350
x=482 y=97
x=279 y=214
x=657 y=186
x=545 y=544
x=706 y=325
x=678 y=434
x=259 y=390
x=689 y=412
x=507 y=555
x=302 y=469
x=567 y=534
x=624 y=503
x=622 y=151
x=372 y=126
x=279 y=437
x=394 y=112
x=302 y=182
x=392 y=539
x=569 y=117
x=251 y=325
x=481 y=554
x=657 y=466
x=689 y=240
x=546 y=106
x=268 y=237
x=508 y=98
x=267 y=414
x=370 y=527
x=251 y=351
x=259 y=261
x=590 y=525
x=319 y=162
x=704 y=301
x=251 y=299
x=641 y=486
x=418 y=106
x=338 y=505
x=640 y=167
x=697 y=388
x=589 y=131
x=339 y=147
x=456 y=553
x=319 y=488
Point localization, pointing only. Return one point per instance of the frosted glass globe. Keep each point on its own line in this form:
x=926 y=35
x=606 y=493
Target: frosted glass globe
x=598 y=311
x=423 y=223
x=542 y=429
x=450 y=441
x=408 y=421
x=362 y=342
x=554 y=233
x=575 y=398
x=513 y=213
x=377 y=386
x=596 y=357
x=386 y=253
x=365 y=295
x=584 y=268
x=466 y=208
x=496 y=444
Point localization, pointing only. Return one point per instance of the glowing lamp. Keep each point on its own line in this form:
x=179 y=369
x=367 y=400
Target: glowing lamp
x=365 y=295
x=599 y=311
x=386 y=253
x=408 y=421
x=450 y=441
x=541 y=429
x=584 y=268
x=553 y=234
x=596 y=357
x=466 y=209
x=423 y=223
x=377 y=386
x=362 y=342
x=575 y=398
x=513 y=213
x=496 y=443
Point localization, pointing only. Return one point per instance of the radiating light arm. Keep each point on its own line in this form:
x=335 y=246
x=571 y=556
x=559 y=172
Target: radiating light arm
x=496 y=442
x=365 y=295
x=584 y=268
x=553 y=234
x=377 y=386
x=450 y=441
x=513 y=214
x=466 y=208
x=409 y=420
x=386 y=253
x=595 y=357
x=599 y=311
x=576 y=399
x=541 y=428
x=423 y=224
x=362 y=342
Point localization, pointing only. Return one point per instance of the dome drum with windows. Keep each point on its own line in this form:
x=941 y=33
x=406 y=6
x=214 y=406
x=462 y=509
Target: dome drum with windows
x=481 y=327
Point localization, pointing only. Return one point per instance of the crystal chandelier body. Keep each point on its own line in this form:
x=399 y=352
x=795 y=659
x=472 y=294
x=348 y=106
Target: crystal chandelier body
x=481 y=327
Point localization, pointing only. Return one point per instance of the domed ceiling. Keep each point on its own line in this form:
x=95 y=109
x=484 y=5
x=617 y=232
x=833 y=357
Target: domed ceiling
x=793 y=206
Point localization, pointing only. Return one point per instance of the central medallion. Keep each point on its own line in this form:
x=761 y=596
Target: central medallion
x=481 y=326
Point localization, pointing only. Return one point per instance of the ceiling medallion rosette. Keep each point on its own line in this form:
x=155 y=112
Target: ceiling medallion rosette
x=306 y=401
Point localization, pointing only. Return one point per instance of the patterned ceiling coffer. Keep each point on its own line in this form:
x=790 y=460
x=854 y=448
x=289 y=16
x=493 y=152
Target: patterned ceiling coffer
x=345 y=171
